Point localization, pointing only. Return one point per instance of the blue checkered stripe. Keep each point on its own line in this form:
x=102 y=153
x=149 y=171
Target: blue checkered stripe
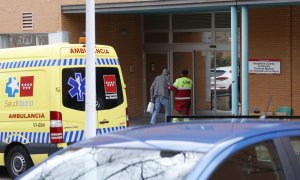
x=44 y=137
x=74 y=136
x=25 y=137
x=56 y=62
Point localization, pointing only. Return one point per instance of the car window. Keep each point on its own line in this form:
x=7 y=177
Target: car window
x=218 y=73
x=259 y=161
x=116 y=163
x=295 y=141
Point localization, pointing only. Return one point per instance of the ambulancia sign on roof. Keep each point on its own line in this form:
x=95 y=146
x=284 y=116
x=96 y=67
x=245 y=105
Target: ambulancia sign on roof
x=264 y=66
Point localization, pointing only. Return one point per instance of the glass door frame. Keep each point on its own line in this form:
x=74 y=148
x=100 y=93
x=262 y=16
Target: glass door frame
x=210 y=48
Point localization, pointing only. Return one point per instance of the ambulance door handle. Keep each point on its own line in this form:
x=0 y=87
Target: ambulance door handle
x=104 y=121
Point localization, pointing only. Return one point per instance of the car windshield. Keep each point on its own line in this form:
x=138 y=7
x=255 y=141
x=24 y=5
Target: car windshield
x=116 y=163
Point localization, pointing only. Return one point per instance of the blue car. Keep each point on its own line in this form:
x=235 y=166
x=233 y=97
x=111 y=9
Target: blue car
x=229 y=149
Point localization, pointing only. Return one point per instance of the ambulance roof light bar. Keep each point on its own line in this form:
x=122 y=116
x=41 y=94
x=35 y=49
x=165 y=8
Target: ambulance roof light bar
x=82 y=38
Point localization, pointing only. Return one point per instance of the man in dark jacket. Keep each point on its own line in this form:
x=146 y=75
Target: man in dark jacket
x=160 y=94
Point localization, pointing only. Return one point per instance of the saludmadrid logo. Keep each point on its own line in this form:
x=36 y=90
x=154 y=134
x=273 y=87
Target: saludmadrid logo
x=18 y=103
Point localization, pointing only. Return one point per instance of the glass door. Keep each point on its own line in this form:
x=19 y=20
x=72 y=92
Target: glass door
x=202 y=82
x=221 y=79
x=183 y=61
x=155 y=63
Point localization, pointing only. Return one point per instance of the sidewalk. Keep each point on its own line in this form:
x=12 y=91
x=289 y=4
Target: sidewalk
x=140 y=121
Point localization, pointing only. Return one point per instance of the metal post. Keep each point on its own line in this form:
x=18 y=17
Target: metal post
x=245 y=60
x=194 y=80
x=215 y=80
x=215 y=83
x=90 y=102
x=234 y=62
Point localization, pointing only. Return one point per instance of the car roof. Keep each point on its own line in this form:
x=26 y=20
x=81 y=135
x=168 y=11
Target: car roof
x=193 y=136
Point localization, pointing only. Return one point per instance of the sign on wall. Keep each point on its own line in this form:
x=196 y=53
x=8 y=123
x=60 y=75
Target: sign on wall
x=264 y=66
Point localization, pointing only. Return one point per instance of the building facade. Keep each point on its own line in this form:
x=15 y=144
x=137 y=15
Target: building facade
x=193 y=35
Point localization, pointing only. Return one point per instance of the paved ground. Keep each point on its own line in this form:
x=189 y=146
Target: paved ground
x=139 y=121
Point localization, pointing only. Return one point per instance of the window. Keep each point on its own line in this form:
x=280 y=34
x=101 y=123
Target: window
x=192 y=37
x=192 y=21
x=156 y=22
x=156 y=37
x=295 y=141
x=73 y=83
x=223 y=37
x=21 y=40
x=259 y=161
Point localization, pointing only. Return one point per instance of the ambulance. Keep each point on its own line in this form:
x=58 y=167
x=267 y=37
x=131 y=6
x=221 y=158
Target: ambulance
x=42 y=100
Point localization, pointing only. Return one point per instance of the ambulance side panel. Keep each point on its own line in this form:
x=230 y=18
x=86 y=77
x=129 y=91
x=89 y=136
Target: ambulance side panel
x=27 y=83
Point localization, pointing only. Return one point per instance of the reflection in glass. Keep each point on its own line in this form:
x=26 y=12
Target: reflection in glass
x=192 y=37
x=223 y=37
x=258 y=161
x=295 y=141
x=20 y=40
x=221 y=79
x=118 y=163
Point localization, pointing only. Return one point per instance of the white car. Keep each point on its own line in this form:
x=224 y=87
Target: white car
x=223 y=78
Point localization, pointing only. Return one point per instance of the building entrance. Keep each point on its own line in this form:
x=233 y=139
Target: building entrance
x=200 y=45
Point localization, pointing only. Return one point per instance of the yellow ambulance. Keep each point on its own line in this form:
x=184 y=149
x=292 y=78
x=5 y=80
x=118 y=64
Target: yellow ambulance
x=42 y=100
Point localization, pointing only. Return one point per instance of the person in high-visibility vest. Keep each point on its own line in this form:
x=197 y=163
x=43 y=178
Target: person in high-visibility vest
x=182 y=94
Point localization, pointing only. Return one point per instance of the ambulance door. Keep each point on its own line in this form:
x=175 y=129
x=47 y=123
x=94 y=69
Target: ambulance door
x=110 y=99
x=73 y=102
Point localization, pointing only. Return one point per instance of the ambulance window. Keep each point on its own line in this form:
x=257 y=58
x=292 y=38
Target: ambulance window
x=109 y=91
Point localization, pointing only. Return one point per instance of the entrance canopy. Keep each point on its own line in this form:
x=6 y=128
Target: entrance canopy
x=173 y=6
x=154 y=6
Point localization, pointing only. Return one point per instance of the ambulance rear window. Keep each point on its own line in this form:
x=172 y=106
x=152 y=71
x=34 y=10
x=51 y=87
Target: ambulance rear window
x=109 y=91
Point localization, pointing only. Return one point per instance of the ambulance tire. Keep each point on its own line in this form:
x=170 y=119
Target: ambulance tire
x=18 y=160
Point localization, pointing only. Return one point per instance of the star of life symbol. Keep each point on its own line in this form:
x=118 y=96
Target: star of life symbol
x=78 y=87
x=12 y=87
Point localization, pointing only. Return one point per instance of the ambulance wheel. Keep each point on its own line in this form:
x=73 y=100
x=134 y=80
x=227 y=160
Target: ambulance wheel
x=18 y=160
